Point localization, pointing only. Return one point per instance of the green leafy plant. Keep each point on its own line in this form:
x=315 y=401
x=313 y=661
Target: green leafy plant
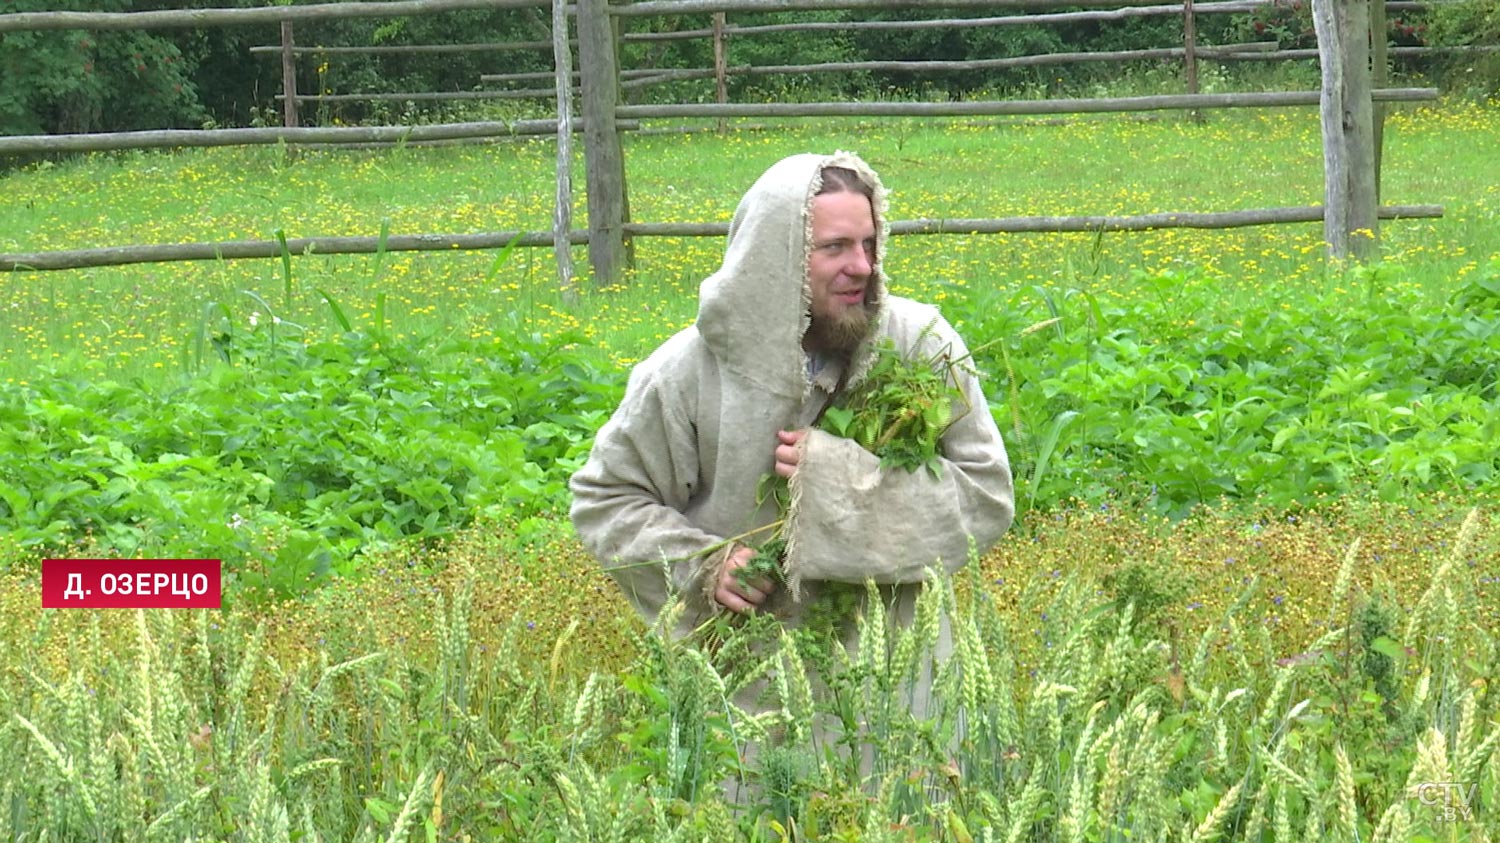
x=901 y=410
x=899 y=413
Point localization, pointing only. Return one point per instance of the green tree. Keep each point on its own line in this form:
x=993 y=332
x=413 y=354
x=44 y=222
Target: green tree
x=81 y=81
x=1469 y=23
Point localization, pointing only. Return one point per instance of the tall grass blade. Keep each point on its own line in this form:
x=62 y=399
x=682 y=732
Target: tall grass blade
x=286 y=266
x=385 y=234
x=338 y=312
x=1044 y=453
x=501 y=258
x=1051 y=302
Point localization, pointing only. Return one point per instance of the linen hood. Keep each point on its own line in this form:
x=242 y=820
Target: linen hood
x=754 y=311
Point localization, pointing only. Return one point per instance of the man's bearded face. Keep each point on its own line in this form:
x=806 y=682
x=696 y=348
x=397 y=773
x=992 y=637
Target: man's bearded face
x=840 y=271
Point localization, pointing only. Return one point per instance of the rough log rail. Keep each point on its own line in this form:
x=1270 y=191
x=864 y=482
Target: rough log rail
x=957 y=109
x=1281 y=55
x=1224 y=7
x=173 y=138
x=698 y=7
x=123 y=255
x=196 y=18
x=409 y=49
x=933 y=66
x=1057 y=225
x=424 y=96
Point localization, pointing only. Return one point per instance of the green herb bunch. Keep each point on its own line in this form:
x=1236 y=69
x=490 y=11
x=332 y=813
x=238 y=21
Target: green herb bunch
x=901 y=410
x=766 y=563
x=899 y=413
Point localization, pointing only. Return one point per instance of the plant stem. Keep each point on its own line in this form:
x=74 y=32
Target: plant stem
x=705 y=551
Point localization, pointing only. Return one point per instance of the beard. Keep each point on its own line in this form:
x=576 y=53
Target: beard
x=840 y=334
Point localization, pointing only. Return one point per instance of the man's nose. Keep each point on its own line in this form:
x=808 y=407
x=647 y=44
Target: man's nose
x=860 y=262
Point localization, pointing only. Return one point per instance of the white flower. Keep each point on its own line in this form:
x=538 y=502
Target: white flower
x=254 y=318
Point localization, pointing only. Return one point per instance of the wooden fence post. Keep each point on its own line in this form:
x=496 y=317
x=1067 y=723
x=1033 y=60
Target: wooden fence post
x=562 y=215
x=604 y=159
x=721 y=88
x=1350 y=222
x=288 y=77
x=1380 y=61
x=1190 y=45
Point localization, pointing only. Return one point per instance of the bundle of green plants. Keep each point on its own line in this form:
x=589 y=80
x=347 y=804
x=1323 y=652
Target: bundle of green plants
x=899 y=412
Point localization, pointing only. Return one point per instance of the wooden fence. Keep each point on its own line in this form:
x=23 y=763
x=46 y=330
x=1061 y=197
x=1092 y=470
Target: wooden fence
x=1347 y=102
x=722 y=33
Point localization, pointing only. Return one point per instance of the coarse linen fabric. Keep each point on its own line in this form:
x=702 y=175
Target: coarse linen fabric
x=676 y=470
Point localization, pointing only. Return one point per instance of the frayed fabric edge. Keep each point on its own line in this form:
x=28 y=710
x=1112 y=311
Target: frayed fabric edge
x=791 y=566
x=711 y=571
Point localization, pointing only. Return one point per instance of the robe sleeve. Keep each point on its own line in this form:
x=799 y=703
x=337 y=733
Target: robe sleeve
x=629 y=497
x=854 y=520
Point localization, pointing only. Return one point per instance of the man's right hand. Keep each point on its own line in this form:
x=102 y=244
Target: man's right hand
x=739 y=596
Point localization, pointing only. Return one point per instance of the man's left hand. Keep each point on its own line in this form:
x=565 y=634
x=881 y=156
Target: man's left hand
x=789 y=451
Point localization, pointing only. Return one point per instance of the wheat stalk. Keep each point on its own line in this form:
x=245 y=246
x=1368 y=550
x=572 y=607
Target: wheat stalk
x=799 y=703
x=1282 y=817
x=131 y=798
x=1257 y=820
x=1341 y=582
x=1106 y=803
x=1080 y=791
x=1344 y=777
x=873 y=633
x=1273 y=699
x=1024 y=810
x=1432 y=761
x=165 y=822
x=1393 y=824
x=309 y=828
x=1291 y=777
x=1474 y=761
x=63 y=766
x=414 y=799
x=1209 y=828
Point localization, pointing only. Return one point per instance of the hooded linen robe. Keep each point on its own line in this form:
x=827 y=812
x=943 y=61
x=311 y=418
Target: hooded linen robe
x=676 y=469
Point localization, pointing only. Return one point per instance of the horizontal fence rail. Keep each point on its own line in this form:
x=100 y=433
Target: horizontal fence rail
x=183 y=138
x=1224 y=7
x=1012 y=107
x=698 y=7
x=682 y=74
x=192 y=18
x=408 y=49
x=125 y=255
x=1403 y=52
x=1250 y=51
x=1073 y=224
x=423 y=96
x=166 y=253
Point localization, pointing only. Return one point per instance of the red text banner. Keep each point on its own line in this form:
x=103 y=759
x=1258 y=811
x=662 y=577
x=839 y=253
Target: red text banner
x=131 y=584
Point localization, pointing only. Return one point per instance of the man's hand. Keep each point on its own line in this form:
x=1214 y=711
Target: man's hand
x=788 y=451
x=739 y=596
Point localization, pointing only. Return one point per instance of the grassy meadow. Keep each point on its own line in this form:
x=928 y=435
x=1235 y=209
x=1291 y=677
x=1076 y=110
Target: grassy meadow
x=137 y=318
x=1253 y=592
